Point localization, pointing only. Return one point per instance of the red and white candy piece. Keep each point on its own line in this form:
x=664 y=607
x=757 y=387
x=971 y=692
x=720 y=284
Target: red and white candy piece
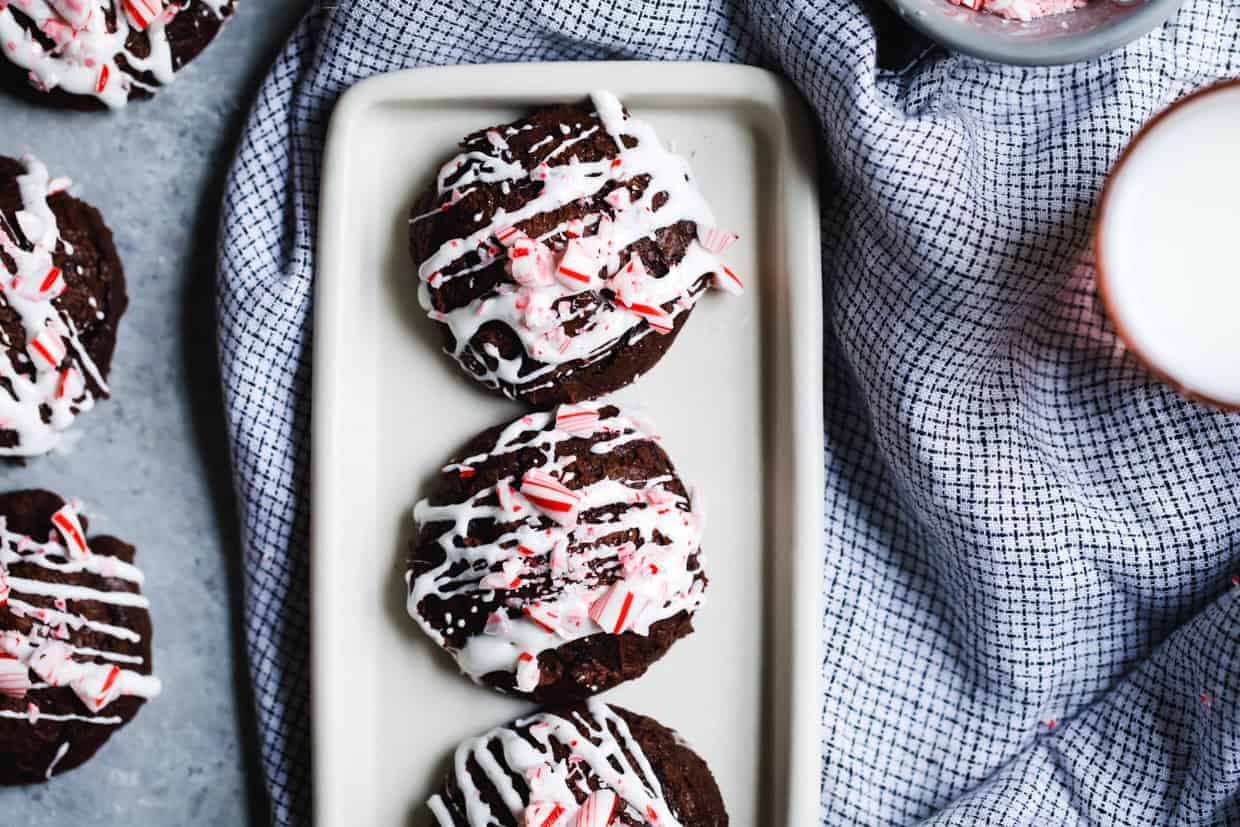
x=660 y=498
x=629 y=282
x=14 y=678
x=714 y=239
x=659 y=319
x=98 y=687
x=630 y=560
x=5 y=590
x=58 y=31
x=47 y=349
x=507 y=498
x=508 y=577
x=537 y=310
x=574 y=625
x=598 y=810
x=543 y=814
x=556 y=337
x=12 y=643
x=618 y=608
x=530 y=263
x=528 y=675
x=75 y=12
x=52 y=284
x=70 y=529
x=50 y=660
x=578 y=420
x=559 y=557
x=544 y=615
x=727 y=281
x=508 y=235
x=550 y=496
x=497 y=624
x=579 y=266
x=143 y=13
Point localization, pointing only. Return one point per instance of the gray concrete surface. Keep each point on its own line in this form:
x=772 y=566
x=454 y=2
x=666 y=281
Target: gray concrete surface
x=153 y=461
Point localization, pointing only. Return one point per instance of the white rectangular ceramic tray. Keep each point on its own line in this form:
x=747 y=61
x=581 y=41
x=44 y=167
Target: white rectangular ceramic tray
x=737 y=399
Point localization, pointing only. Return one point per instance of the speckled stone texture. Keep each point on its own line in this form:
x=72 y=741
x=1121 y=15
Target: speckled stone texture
x=151 y=463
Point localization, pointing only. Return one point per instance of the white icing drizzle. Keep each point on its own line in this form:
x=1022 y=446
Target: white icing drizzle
x=86 y=50
x=579 y=566
x=56 y=759
x=532 y=306
x=53 y=345
x=97 y=720
x=601 y=750
x=46 y=649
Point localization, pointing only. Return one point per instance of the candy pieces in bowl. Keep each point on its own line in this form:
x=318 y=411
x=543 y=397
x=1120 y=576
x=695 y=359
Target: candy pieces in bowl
x=1035 y=32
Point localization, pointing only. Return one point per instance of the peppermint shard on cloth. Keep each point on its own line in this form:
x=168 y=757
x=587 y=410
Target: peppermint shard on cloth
x=88 y=54
x=62 y=294
x=563 y=253
x=75 y=638
x=559 y=555
x=587 y=765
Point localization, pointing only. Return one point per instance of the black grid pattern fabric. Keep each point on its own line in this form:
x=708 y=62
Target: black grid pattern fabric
x=1030 y=544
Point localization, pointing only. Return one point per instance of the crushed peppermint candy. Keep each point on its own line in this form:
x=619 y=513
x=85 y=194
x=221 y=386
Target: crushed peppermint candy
x=550 y=496
x=528 y=673
x=1023 y=10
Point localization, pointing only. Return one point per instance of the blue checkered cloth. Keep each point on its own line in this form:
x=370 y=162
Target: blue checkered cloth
x=1030 y=544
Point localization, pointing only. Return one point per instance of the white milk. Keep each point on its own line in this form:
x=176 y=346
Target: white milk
x=1170 y=246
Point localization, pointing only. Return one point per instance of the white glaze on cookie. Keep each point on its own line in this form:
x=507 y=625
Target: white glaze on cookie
x=597 y=584
x=53 y=346
x=602 y=755
x=47 y=650
x=531 y=303
x=90 y=40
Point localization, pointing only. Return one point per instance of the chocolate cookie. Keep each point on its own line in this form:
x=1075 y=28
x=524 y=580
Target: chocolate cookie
x=559 y=555
x=62 y=293
x=75 y=638
x=91 y=54
x=563 y=253
x=588 y=765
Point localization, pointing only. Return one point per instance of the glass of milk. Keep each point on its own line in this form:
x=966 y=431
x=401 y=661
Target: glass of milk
x=1168 y=245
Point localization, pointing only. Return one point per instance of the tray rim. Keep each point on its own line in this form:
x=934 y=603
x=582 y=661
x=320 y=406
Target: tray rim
x=793 y=698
